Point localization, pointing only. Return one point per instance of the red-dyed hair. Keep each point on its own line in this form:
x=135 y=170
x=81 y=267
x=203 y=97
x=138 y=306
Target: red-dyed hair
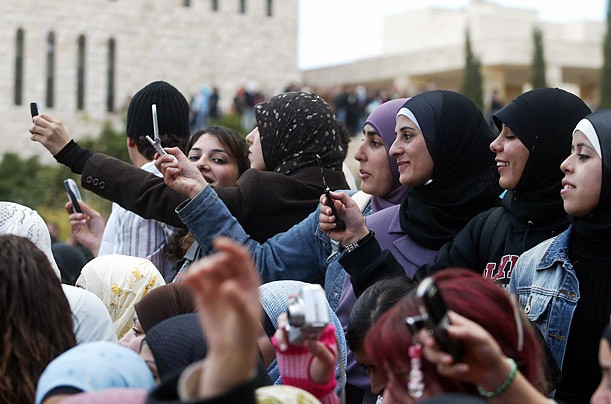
x=471 y=296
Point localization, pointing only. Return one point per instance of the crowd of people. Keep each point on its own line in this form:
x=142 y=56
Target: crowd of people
x=471 y=266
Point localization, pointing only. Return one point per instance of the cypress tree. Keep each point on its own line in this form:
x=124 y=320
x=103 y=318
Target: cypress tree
x=537 y=78
x=605 y=74
x=472 y=86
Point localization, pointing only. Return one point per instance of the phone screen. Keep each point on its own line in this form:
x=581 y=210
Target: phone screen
x=34 y=109
x=74 y=195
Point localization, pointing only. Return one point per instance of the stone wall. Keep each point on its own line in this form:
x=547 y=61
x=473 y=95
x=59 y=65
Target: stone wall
x=155 y=40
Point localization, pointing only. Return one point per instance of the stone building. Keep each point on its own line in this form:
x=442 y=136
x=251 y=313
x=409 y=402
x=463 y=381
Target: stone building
x=425 y=49
x=82 y=60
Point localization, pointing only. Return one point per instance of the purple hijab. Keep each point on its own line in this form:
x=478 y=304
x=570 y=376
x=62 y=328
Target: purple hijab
x=383 y=120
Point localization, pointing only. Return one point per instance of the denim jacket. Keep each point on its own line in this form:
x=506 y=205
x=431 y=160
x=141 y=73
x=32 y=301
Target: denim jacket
x=547 y=287
x=302 y=253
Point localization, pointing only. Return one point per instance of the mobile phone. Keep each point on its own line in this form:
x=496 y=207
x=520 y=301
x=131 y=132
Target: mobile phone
x=341 y=225
x=156 y=143
x=435 y=315
x=74 y=195
x=34 y=108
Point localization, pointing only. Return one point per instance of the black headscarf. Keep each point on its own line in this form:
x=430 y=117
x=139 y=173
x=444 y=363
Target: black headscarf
x=543 y=119
x=176 y=343
x=597 y=225
x=294 y=126
x=465 y=179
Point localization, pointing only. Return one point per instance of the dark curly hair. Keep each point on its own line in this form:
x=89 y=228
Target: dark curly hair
x=36 y=320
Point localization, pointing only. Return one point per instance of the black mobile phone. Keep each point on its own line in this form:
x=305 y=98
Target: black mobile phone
x=74 y=195
x=341 y=225
x=435 y=314
x=34 y=109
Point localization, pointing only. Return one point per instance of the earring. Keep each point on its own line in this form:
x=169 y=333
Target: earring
x=415 y=385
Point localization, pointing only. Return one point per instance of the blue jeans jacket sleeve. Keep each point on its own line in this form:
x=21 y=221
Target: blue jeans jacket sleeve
x=302 y=253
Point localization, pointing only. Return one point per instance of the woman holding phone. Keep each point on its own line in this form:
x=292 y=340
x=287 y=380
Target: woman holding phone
x=291 y=128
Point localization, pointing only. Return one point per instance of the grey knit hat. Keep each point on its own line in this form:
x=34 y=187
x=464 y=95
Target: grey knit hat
x=172 y=111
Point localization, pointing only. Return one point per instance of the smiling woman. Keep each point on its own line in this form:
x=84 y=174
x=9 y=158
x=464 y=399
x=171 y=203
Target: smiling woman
x=568 y=276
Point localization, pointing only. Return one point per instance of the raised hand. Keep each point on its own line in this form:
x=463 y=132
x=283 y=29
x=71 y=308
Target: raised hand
x=349 y=212
x=49 y=132
x=179 y=173
x=226 y=292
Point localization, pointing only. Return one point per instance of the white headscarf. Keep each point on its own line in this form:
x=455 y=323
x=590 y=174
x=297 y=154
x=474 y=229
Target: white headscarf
x=120 y=281
x=22 y=221
x=89 y=315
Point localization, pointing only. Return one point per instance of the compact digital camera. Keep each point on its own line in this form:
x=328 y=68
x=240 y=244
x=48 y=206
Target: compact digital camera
x=307 y=314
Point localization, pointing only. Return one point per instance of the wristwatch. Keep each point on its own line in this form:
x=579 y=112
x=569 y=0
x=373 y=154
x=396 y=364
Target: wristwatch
x=353 y=246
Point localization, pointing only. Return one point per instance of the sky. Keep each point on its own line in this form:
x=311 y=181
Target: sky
x=340 y=31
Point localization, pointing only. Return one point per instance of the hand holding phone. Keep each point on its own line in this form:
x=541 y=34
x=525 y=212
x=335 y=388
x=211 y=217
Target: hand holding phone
x=435 y=317
x=74 y=194
x=34 y=108
x=341 y=225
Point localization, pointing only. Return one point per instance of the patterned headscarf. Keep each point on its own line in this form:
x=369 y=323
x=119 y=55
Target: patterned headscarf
x=294 y=126
x=120 y=281
x=22 y=221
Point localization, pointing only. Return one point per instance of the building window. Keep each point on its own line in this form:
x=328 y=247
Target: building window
x=242 y=6
x=270 y=9
x=110 y=76
x=186 y=3
x=50 y=93
x=18 y=90
x=215 y=5
x=80 y=73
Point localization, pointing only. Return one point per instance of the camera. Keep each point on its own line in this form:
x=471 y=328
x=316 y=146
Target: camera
x=434 y=316
x=307 y=314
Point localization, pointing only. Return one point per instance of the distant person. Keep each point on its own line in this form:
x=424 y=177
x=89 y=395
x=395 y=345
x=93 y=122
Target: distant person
x=213 y=111
x=495 y=106
x=200 y=109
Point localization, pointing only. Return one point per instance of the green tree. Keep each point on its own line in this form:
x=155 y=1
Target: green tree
x=605 y=73
x=472 y=85
x=109 y=141
x=27 y=181
x=537 y=78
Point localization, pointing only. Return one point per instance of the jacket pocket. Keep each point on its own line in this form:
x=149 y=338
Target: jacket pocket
x=536 y=306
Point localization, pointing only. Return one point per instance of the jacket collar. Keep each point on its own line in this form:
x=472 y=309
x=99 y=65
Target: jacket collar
x=558 y=251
